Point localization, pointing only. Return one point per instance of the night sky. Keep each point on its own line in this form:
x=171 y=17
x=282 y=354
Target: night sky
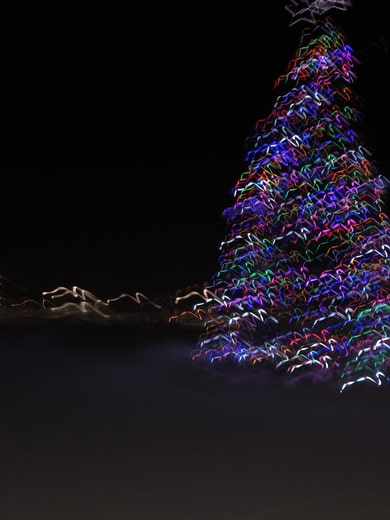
x=123 y=133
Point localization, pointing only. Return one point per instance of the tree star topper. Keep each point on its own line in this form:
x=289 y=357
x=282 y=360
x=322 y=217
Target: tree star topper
x=309 y=10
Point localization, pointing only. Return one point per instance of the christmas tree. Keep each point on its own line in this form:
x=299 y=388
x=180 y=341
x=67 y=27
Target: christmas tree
x=303 y=279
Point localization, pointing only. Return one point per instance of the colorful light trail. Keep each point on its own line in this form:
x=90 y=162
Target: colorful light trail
x=303 y=279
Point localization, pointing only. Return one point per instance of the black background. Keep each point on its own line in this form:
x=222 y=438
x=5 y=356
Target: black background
x=122 y=134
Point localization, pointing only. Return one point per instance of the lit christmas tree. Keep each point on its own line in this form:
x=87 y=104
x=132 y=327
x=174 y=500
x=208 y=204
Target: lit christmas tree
x=303 y=280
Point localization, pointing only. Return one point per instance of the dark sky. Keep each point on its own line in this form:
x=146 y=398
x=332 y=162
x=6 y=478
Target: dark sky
x=123 y=133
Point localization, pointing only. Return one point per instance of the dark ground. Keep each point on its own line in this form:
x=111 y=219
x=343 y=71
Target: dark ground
x=114 y=421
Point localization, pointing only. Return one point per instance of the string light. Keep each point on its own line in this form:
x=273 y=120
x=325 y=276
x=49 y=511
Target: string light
x=303 y=279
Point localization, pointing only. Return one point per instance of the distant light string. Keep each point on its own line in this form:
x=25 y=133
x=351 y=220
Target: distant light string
x=64 y=301
x=303 y=280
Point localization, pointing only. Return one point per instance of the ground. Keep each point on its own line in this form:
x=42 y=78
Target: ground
x=113 y=421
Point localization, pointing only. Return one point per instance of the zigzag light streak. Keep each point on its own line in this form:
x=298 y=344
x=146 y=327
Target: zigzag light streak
x=303 y=281
x=310 y=10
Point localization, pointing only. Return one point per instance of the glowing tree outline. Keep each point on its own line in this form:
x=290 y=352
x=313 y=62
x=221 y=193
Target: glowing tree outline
x=229 y=317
